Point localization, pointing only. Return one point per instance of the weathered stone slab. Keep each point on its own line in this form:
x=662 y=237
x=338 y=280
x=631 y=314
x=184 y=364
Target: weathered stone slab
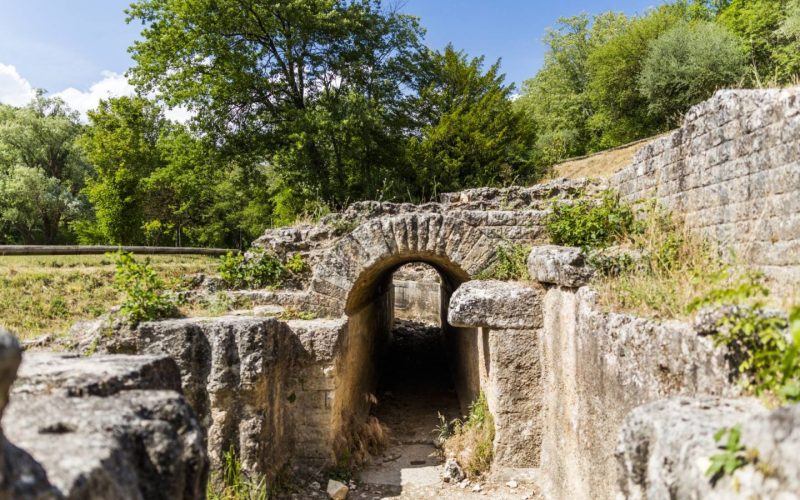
x=557 y=265
x=496 y=304
x=100 y=375
x=664 y=448
x=132 y=445
x=83 y=428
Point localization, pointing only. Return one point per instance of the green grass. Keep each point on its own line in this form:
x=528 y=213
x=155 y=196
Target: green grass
x=47 y=294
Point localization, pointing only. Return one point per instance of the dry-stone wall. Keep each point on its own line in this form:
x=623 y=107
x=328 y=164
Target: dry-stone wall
x=733 y=171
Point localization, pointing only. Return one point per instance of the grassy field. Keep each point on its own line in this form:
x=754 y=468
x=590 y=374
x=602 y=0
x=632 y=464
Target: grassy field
x=600 y=165
x=46 y=294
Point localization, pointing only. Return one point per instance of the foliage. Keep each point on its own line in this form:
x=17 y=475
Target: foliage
x=146 y=297
x=732 y=456
x=313 y=87
x=687 y=64
x=259 y=269
x=471 y=135
x=472 y=439
x=610 y=79
x=41 y=171
x=768 y=30
x=767 y=358
x=590 y=224
x=236 y=484
x=510 y=263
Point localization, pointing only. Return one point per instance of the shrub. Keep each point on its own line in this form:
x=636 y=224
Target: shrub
x=590 y=224
x=511 y=263
x=767 y=359
x=259 y=269
x=472 y=440
x=687 y=64
x=146 y=297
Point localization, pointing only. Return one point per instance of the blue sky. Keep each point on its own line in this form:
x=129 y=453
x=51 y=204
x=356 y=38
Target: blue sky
x=78 y=48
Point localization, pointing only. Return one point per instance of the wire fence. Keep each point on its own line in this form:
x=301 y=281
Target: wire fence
x=102 y=249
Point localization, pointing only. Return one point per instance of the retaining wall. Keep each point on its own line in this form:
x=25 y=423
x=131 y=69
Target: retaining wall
x=733 y=171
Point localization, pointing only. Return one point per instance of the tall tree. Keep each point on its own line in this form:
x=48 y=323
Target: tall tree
x=121 y=142
x=471 y=134
x=313 y=86
x=43 y=170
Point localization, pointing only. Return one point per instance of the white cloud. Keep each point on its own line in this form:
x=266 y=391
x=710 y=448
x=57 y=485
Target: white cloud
x=14 y=89
x=17 y=91
x=112 y=85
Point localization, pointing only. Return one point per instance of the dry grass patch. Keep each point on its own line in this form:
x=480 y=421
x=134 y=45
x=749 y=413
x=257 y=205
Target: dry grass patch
x=670 y=267
x=47 y=294
x=471 y=441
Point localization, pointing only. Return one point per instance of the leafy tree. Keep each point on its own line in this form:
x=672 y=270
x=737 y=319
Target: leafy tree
x=620 y=111
x=471 y=134
x=315 y=87
x=121 y=142
x=41 y=169
x=555 y=99
x=769 y=31
x=32 y=204
x=687 y=64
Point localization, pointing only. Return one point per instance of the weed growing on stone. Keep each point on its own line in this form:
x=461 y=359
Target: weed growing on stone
x=145 y=295
x=236 y=484
x=658 y=269
x=471 y=441
x=510 y=264
x=732 y=457
x=591 y=224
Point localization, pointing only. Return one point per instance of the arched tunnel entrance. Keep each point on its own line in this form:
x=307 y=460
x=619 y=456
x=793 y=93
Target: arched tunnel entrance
x=404 y=365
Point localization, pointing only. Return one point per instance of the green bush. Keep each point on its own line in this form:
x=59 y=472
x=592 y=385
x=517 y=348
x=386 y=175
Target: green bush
x=687 y=64
x=511 y=263
x=259 y=269
x=146 y=297
x=591 y=224
x=768 y=360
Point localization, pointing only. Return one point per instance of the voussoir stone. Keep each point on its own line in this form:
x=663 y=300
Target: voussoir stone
x=557 y=265
x=496 y=304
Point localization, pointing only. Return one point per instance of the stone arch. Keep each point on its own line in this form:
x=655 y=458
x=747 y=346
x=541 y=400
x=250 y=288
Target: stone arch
x=354 y=265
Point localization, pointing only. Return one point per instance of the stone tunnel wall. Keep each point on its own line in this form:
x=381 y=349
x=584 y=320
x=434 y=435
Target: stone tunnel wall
x=597 y=368
x=733 y=171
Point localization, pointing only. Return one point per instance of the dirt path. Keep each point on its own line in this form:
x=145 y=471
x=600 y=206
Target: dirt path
x=415 y=388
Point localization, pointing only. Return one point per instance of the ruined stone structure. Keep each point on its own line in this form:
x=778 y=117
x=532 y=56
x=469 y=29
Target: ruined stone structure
x=590 y=404
x=733 y=171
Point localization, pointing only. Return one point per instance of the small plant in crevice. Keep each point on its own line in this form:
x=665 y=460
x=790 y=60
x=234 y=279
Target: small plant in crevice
x=510 y=264
x=471 y=440
x=260 y=269
x=146 y=297
x=235 y=484
x=732 y=457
